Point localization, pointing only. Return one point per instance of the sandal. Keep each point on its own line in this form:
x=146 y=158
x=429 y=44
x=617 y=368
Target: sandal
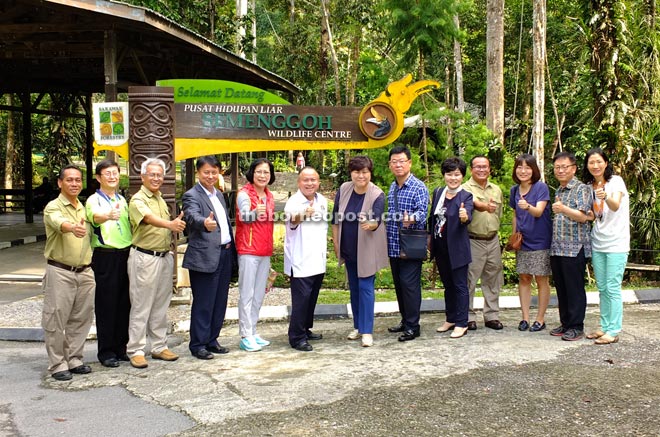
x=607 y=339
x=458 y=332
x=594 y=335
x=445 y=327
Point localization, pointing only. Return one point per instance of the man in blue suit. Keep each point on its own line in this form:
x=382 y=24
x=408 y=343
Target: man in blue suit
x=209 y=258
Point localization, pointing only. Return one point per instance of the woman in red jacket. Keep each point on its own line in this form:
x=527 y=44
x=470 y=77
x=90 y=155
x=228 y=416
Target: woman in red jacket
x=255 y=209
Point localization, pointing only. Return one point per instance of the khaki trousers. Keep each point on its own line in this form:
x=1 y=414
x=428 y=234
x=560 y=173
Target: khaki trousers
x=150 y=290
x=67 y=315
x=487 y=265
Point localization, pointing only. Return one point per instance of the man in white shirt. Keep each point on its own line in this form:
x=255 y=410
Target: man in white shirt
x=305 y=252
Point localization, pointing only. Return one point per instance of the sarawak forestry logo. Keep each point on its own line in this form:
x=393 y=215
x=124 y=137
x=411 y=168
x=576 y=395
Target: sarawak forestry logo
x=378 y=120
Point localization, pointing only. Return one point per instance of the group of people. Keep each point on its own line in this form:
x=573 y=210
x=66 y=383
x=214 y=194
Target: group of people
x=114 y=259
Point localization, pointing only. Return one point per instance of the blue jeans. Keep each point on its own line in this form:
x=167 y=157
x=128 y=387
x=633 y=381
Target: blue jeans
x=362 y=299
x=608 y=270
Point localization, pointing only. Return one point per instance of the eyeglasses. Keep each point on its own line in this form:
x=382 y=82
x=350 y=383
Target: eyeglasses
x=155 y=175
x=110 y=174
x=563 y=167
x=399 y=161
x=262 y=172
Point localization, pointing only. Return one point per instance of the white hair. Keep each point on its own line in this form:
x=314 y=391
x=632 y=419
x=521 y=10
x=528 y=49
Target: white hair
x=152 y=161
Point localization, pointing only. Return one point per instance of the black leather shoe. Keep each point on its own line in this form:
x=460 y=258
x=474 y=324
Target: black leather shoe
x=81 y=370
x=312 y=336
x=217 y=349
x=472 y=326
x=523 y=325
x=64 y=375
x=203 y=354
x=304 y=346
x=397 y=328
x=110 y=362
x=494 y=324
x=408 y=335
x=123 y=357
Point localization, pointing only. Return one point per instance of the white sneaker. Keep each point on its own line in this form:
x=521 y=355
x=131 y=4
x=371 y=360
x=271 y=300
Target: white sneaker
x=260 y=341
x=367 y=340
x=248 y=344
x=353 y=335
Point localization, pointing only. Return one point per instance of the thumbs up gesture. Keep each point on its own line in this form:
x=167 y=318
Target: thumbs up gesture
x=114 y=213
x=462 y=213
x=492 y=205
x=408 y=219
x=209 y=223
x=178 y=225
x=558 y=207
x=600 y=191
x=309 y=211
x=79 y=229
x=261 y=207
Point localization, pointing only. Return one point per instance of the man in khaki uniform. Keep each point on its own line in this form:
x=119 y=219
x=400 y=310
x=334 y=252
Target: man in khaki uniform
x=68 y=283
x=150 y=265
x=484 y=242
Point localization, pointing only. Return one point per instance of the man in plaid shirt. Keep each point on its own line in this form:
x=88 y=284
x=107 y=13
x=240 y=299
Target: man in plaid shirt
x=412 y=198
x=571 y=246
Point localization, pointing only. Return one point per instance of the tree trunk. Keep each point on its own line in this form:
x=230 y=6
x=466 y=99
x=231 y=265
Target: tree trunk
x=10 y=156
x=323 y=63
x=458 y=67
x=333 y=54
x=354 y=64
x=495 y=68
x=528 y=92
x=539 y=23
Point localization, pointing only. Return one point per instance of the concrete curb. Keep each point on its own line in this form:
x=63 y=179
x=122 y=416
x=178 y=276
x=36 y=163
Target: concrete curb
x=22 y=241
x=336 y=311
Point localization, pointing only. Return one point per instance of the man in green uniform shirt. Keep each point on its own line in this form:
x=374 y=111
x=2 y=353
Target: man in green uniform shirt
x=68 y=283
x=150 y=267
x=107 y=211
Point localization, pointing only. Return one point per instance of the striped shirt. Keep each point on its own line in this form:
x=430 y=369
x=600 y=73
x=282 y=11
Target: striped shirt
x=413 y=198
x=569 y=236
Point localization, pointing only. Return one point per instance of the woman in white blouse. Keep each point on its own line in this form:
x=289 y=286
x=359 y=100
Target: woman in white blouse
x=610 y=241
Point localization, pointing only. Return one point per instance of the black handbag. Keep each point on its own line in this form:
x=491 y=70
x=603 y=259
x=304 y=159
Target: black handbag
x=413 y=243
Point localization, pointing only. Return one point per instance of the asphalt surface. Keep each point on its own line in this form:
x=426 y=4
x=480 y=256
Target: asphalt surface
x=487 y=383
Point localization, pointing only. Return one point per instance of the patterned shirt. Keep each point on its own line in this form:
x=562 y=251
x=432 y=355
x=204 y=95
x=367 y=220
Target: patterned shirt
x=413 y=198
x=569 y=236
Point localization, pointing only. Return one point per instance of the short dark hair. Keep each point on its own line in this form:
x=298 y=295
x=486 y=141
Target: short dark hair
x=106 y=163
x=68 y=167
x=562 y=155
x=207 y=159
x=358 y=163
x=453 y=163
x=400 y=149
x=587 y=177
x=479 y=156
x=249 y=175
x=528 y=159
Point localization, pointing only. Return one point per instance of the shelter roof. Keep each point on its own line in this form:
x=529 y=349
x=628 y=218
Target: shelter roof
x=63 y=45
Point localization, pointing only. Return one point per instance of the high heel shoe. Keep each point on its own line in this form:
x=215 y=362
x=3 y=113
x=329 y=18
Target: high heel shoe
x=607 y=339
x=594 y=335
x=445 y=327
x=458 y=332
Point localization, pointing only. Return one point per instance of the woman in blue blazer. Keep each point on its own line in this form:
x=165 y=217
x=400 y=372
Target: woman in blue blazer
x=451 y=212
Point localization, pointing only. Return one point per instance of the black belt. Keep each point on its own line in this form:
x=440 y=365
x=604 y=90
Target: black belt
x=477 y=237
x=151 y=252
x=68 y=267
x=110 y=250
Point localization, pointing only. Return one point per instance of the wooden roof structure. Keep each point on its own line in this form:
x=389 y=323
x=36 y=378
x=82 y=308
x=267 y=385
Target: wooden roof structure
x=86 y=46
x=79 y=47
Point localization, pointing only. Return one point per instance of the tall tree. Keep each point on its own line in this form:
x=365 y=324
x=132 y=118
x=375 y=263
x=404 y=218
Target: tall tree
x=495 y=67
x=539 y=82
x=10 y=151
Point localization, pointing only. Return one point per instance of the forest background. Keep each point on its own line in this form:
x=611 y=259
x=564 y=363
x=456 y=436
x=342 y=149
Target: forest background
x=516 y=77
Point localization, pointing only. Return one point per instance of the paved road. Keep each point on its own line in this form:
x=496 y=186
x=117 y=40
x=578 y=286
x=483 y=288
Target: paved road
x=488 y=383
